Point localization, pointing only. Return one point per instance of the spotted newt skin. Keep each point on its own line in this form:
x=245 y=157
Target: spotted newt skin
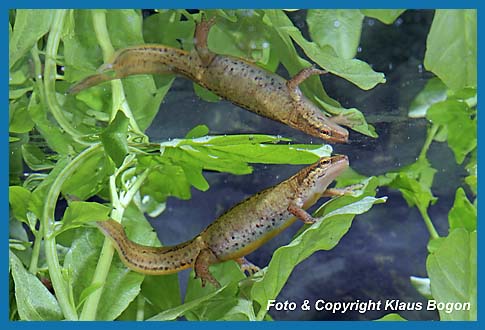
x=237 y=232
x=234 y=79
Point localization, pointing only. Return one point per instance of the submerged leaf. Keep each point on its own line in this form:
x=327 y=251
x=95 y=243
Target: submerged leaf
x=452 y=269
x=338 y=28
x=452 y=56
x=34 y=301
x=463 y=214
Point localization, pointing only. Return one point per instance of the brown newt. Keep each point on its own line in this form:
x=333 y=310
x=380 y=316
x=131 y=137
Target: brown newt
x=234 y=79
x=237 y=232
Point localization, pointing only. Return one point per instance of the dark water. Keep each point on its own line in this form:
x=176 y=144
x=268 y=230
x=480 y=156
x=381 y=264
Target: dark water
x=384 y=246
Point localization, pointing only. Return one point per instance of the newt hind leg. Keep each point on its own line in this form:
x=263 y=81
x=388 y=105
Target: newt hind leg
x=200 y=41
x=204 y=259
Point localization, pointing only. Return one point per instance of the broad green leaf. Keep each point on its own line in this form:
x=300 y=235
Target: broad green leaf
x=353 y=118
x=393 y=317
x=174 y=313
x=414 y=192
x=97 y=168
x=422 y=285
x=452 y=269
x=177 y=33
x=197 y=131
x=386 y=16
x=87 y=292
x=34 y=301
x=162 y=292
x=323 y=235
x=434 y=91
x=35 y=158
x=245 y=37
x=461 y=127
x=19 y=117
x=463 y=214
x=19 y=198
x=355 y=71
x=452 y=56
x=82 y=53
x=58 y=140
x=337 y=28
x=125 y=27
x=114 y=138
x=30 y=26
x=78 y=213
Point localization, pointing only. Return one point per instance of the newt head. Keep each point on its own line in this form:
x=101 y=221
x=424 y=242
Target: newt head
x=333 y=132
x=319 y=176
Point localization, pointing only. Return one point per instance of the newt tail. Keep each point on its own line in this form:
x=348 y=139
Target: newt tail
x=234 y=79
x=239 y=231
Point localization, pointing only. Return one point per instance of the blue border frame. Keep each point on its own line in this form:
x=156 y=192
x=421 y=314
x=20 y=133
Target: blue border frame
x=233 y=4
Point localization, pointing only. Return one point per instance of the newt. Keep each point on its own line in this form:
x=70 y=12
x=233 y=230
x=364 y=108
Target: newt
x=234 y=79
x=239 y=231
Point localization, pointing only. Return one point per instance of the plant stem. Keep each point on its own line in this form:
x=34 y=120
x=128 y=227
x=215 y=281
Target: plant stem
x=140 y=308
x=48 y=223
x=50 y=72
x=35 y=251
x=422 y=155
x=429 y=139
x=429 y=224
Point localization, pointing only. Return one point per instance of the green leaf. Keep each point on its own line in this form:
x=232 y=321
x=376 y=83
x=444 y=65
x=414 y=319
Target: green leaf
x=463 y=214
x=386 y=16
x=162 y=292
x=197 y=131
x=35 y=158
x=79 y=213
x=422 y=285
x=19 y=198
x=392 y=317
x=57 y=139
x=174 y=313
x=205 y=94
x=82 y=53
x=452 y=269
x=34 y=301
x=97 y=168
x=355 y=71
x=336 y=218
x=87 y=292
x=452 y=55
x=414 y=192
x=19 y=117
x=434 y=91
x=114 y=138
x=337 y=28
x=125 y=27
x=353 y=118
x=30 y=26
x=462 y=129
